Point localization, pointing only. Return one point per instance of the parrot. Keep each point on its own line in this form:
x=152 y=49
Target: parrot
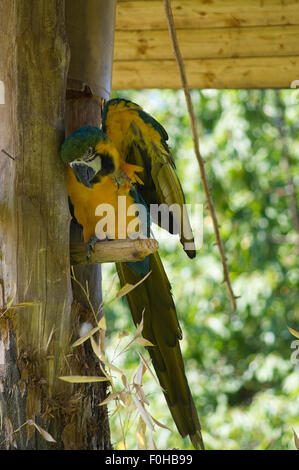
x=129 y=156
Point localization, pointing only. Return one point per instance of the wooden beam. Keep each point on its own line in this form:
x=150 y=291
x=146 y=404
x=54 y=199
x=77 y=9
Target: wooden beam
x=114 y=251
x=90 y=29
x=208 y=43
x=255 y=72
x=34 y=213
x=194 y=14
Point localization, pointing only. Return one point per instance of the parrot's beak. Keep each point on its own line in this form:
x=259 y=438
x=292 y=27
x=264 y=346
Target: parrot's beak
x=84 y=173
x=86 y=170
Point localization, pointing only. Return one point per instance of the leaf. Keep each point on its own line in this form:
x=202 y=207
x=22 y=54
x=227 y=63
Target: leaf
x=139 y=374
x=95 y=346
x=122 y=334
x=102 y=341
x=47 y=436
x=80 y=379
x=293 y=332
x=124 y=290
x=296 y=439
x=85 y=337
x=140 y=439
x=123 y=395
x=144 y=414
x=149 y=369
x=117 y=409
x=141 y=394
x=160 y=424
x=140 y=327
x=140 y=434
x=143 y=342
x=127 y=288
x=112 y=396
x=108 y=291
x=102 y=323
x=111 y=366
x=125 y=381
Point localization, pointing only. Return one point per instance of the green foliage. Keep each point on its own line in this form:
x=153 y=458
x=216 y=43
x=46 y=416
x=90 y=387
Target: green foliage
x=239 y=364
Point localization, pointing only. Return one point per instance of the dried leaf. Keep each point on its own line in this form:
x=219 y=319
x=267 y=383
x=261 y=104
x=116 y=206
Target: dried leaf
x=140 y=434
x=80 y=379
x=85 y=337
x=102 y=323
x=111 y=366
x=125 y=381
x=143 y=342
x=122 y=334
x=112 y=396
x=296 y=439
x=95 y=346
x=144 y=414
x=42 y=431
x=123 y=398
x=140 y=440
x=124 y=290
x=160 y=424
x=139 y=374
x=108 y=291
x=127 y=288
x=141 y=394
x=139 y=328
x=293 y=332
x=117 y=409
x=149 y=369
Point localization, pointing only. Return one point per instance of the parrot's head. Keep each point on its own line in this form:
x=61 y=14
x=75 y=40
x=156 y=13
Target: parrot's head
x=91 y=155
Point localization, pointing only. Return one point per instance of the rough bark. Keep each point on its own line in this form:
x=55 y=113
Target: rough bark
x=37 y=319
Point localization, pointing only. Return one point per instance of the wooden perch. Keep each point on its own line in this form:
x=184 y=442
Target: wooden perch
x=114 y=251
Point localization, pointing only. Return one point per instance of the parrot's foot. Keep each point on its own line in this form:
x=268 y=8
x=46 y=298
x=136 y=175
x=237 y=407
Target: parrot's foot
x=90 y=246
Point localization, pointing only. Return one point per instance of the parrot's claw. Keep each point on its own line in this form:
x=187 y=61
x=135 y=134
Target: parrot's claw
x=90 y=246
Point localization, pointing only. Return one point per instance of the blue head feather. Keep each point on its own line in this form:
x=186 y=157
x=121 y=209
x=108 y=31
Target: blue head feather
x=77 y=144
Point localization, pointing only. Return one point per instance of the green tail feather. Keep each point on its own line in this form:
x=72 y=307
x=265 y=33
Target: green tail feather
x=161 y=328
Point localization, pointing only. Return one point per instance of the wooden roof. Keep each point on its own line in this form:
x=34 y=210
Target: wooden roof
x=224 y=43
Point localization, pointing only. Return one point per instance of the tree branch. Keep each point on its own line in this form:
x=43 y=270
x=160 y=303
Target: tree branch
x=290 y=189
x=114 y=251
x=195 y=136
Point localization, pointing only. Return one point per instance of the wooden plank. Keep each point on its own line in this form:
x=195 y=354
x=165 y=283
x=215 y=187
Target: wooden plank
x=256 y=72
x=194 y=14
x=208 y=43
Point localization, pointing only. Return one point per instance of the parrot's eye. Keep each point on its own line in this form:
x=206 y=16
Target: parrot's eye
x=89 y=155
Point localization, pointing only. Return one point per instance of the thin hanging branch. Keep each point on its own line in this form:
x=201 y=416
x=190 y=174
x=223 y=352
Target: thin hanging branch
x=281 y=125
x=195 y=136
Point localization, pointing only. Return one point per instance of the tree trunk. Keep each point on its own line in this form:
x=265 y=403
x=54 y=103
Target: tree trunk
x=37 y=319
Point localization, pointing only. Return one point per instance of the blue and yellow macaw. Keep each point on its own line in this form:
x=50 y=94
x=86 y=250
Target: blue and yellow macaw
x=129 y=156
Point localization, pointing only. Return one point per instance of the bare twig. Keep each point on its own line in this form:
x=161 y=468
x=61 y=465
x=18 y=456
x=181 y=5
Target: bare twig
x=195 y=136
